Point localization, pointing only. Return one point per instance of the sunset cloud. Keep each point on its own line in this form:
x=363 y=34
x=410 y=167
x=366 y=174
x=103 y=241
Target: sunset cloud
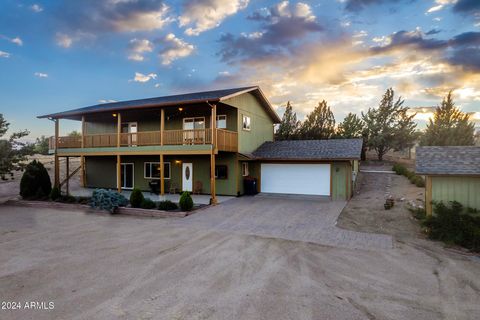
x=142 y=78
x=4 y=54
x=138 y=47
x=174 y=48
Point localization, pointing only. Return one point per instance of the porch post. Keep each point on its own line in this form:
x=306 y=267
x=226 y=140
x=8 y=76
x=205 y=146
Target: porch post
x=162 y=126
x=119 y=128
x=67 y=173
x=119 y=174
x=213 y=197
x=57 y=163
x=162 y=176
x=82 y=172
x=83 y=132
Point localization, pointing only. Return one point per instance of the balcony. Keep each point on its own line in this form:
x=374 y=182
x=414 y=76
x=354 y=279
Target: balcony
x=226 y=140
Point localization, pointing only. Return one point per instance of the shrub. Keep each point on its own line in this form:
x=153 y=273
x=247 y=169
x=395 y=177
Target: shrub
x=418 y=181
x=83 y=200
x=147 y=204
x=186 y=201
x=414 y=179
x=451 y=224
x=35 y=183
x=418 y=212
x=136 y=198
x=67 y=199
x=55 y=193
x=107 y=200
x=167 y=205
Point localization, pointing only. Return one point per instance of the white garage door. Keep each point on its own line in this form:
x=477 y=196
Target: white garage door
x=311 y=179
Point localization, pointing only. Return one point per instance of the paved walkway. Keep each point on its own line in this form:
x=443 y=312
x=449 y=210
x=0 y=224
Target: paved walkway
x=290 y=218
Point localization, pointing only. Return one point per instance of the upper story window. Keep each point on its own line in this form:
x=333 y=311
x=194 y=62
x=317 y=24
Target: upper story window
x=246 y=123
x=245 y=169
x=151 y=170
x=222 y=121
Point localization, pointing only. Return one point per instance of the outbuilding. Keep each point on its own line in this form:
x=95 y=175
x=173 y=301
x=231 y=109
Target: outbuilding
x=451 y=174
x=325 y=168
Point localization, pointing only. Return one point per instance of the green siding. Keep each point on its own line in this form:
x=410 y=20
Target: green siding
x=339 y=180
x=465 y=190
x=261 y=122
x=101 y=171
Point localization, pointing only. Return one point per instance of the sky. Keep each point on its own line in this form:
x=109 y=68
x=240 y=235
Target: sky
x=60 y=55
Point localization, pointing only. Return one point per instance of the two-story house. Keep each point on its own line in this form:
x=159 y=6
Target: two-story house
x=205 y=142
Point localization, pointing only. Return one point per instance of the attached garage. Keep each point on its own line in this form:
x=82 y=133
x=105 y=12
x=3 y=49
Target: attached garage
x=297 y=178
x=309 y=167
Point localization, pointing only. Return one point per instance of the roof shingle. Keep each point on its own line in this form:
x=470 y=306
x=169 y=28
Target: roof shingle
x=332 y=149
x=452 y=160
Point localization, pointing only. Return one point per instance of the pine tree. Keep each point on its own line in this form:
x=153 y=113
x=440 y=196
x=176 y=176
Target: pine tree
x=288 y=128
x=351 y=127
x=319 y=124
x=449 y=126
x=389 y=126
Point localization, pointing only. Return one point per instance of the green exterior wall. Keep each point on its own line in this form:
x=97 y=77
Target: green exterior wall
x=341 y=183
x=465 y=190
x=101 y=171
x=261 y=123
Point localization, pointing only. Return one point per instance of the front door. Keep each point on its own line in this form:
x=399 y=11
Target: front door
x=127 y=175
x=187 y=174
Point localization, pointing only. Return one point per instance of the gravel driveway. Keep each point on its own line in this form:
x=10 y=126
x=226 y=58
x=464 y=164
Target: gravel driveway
x=97 y=266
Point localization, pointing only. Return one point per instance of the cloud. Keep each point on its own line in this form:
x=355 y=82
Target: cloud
x=36 y=8
x=174 y=48
x=106 y=101
x=202 y=15
x=283 y=27
x=15 y=40
x=99 y=16
x=63 y=40
x=40 y=75
x=4 y=54
x=138 y=47
x=439 y=5
x=467 y=7
x=140 y=77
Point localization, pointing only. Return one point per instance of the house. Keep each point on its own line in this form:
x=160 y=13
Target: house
x=452 y=174
x=126 y=144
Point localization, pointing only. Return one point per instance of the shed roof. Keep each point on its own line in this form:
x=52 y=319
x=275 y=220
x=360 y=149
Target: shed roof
x=179 y=99
x=453 y=160
x=333 y=149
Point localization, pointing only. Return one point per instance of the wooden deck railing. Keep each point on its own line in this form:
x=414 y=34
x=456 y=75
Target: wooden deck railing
x=226 y=140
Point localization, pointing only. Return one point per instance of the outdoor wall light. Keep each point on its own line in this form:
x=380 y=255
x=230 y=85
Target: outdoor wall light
x=180 y=109
x=178 y=161
x=114 y=115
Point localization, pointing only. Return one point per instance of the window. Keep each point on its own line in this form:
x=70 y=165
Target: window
x=221 y=172
x=152 y=170
x=222 y=121
x=245 y=169
x=246 y=123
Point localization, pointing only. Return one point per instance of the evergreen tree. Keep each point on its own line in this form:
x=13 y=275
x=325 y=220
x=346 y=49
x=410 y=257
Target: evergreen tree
x=351 y=127
x=41 y=145
x=288 y=128
x=449 y=127
x=389 y=126
x=319 y=124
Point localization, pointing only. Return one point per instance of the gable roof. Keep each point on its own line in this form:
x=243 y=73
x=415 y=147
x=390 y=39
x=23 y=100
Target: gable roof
x=179 y=99
x=454 y=160
x=333 y=149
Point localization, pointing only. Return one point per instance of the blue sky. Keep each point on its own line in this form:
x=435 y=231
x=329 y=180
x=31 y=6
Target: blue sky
x=58 y=55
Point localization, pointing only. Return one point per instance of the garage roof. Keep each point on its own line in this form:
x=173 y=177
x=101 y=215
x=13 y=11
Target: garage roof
x=333 y=149
x=453 y=160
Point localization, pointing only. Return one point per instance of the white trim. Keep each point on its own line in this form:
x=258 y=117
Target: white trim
x=244 y=116
x=124 y=173
x=245 y=173
x=153 y=162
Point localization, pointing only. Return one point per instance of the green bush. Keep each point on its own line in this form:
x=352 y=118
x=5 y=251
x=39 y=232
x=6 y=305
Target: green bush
x=35 y=183
x=418 y=213
x=55 y=193
x=167 y=205
x=186 y=201
x=136 y=198
x=67 y=199
x=107 y=200
x=148 y=204
x=418 y=181
x=414 y=179
x=452 y=225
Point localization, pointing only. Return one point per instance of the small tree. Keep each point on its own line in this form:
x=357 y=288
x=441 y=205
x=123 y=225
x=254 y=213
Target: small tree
x=389 y=126
x=41 y=145
x=136 y=198
x=449 y=127
x=13 y=152
x=351 y=127
x=319 y=124
x=288 y=128
x=186 y=201
x=74 y=133
x=35 y=183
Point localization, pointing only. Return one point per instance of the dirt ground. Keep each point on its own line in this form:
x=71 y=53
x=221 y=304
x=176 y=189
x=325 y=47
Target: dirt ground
x=100 y=266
